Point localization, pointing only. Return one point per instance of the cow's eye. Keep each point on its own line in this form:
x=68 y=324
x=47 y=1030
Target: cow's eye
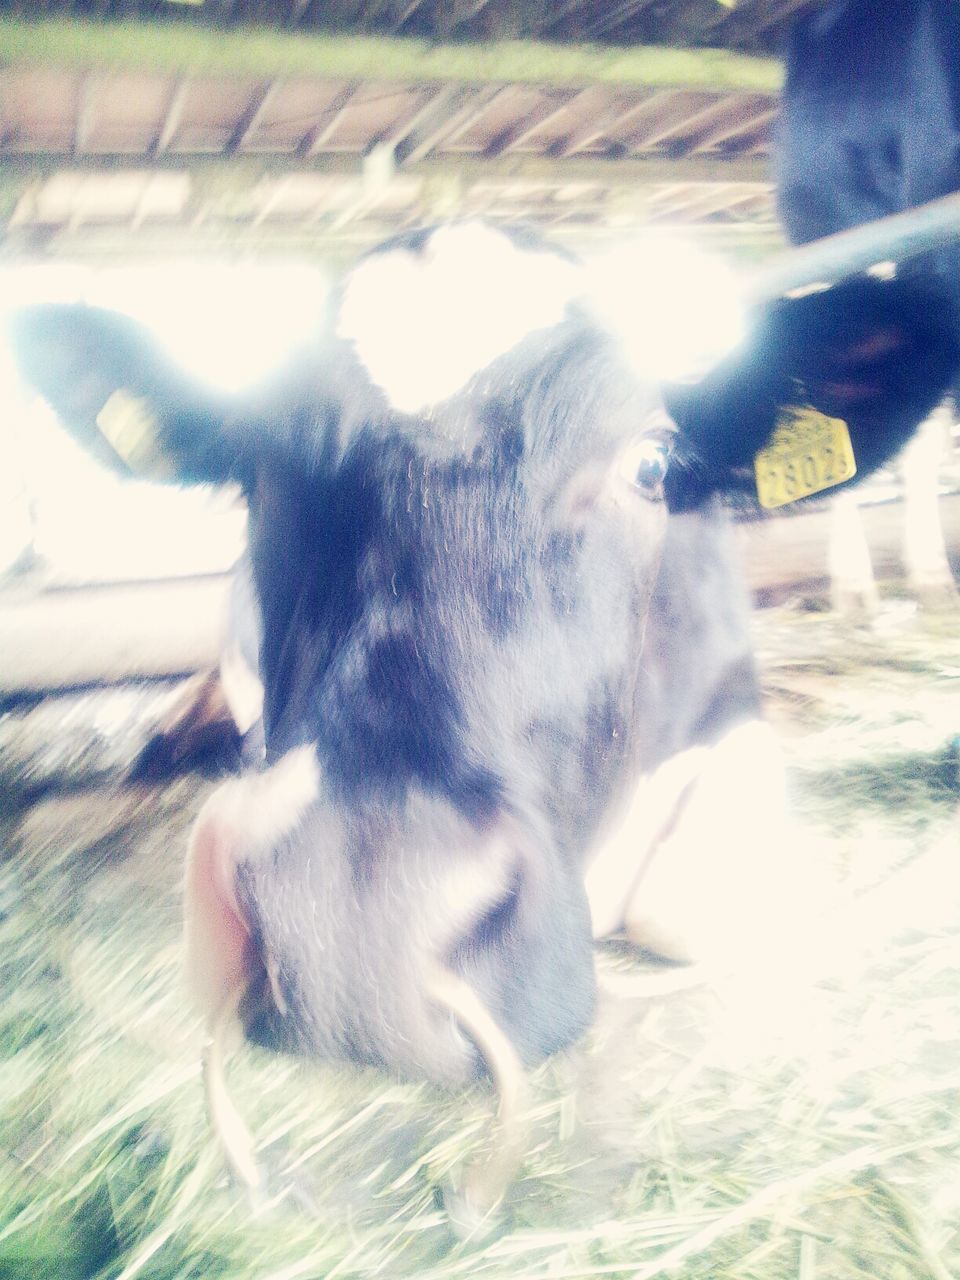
x=645 y=463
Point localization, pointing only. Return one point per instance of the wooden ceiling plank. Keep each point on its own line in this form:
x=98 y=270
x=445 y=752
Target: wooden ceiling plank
x=545 y=113
x=716 y=110
x=83 y=120
x=433 y=102
x=447 y=129
x=738 y=129
x=172 y=117
x=668 y=190
x=143 y=203
x=270 y=203
x=724 y=196
x=315 y=139
x=475 y=109
x=608 y=122
x=253 y=114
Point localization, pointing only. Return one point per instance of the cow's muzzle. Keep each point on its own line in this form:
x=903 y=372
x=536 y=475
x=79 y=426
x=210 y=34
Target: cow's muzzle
x=472 y=1201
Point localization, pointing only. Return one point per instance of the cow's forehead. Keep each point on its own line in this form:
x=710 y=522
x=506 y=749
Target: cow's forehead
x=425 y=317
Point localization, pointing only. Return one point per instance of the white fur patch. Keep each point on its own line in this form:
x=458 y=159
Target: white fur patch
x=242 y=689
x=620 y=860
x=259 y=809
x=699 y=867
x=425 y=323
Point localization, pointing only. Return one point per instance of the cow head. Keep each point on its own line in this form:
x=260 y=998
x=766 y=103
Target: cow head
x=456 y=518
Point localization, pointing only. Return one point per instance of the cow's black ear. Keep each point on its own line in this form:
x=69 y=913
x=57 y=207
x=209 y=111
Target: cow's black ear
x=119 y=395
x=878 y=354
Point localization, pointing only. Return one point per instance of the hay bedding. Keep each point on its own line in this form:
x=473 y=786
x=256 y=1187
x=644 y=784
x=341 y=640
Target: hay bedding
x=798 y=1120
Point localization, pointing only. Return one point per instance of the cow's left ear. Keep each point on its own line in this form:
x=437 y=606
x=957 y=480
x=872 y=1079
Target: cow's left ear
x=119 y=395
x=877 y=355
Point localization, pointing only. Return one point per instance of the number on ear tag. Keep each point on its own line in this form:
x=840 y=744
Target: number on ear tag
x=808 y=452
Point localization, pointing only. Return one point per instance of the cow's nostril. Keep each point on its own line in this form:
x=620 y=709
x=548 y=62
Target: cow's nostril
x=489 y=930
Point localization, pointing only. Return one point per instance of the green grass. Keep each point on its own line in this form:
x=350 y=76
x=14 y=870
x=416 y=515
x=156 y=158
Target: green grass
x=736 y=1129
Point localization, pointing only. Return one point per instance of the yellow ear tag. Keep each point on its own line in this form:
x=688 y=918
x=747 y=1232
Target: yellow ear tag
x=128 y=423
x=808 y=452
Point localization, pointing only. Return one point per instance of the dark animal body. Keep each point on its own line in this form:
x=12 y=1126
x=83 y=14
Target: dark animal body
x=495 y=591
x=869 y=125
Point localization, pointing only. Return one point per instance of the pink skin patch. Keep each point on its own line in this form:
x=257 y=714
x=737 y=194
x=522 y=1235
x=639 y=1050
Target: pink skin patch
x=241 y=819
x=219 y=958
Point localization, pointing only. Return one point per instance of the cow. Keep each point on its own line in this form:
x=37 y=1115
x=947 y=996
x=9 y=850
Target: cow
x=870 y=126
x=870 y=118
x=496 y=603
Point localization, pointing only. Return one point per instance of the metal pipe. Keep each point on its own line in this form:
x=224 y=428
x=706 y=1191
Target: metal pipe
x=827 y=261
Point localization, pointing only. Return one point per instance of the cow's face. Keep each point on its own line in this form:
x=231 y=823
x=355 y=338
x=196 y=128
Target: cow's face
x=453 y=574
x=456 y=523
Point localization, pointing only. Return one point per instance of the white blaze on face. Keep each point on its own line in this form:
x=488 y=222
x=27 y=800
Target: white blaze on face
x=424 y=323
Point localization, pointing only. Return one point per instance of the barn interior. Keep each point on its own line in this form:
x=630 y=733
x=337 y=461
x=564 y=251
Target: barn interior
x=209 y=164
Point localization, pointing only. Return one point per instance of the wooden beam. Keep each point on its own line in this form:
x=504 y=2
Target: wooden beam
x=297 y=10
x=146 y=47
x=734 y=129
x=606 y=122
x=172 y=117
x=73 y=637
x=458 y=113
x=749 y=20
x=551 y=108
x=701 y=202
x=622 y=173
x=83 y=120
x=723 y=105
x=474 y=109
x=620 y=14
x=253 y=114
x=317 y=137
